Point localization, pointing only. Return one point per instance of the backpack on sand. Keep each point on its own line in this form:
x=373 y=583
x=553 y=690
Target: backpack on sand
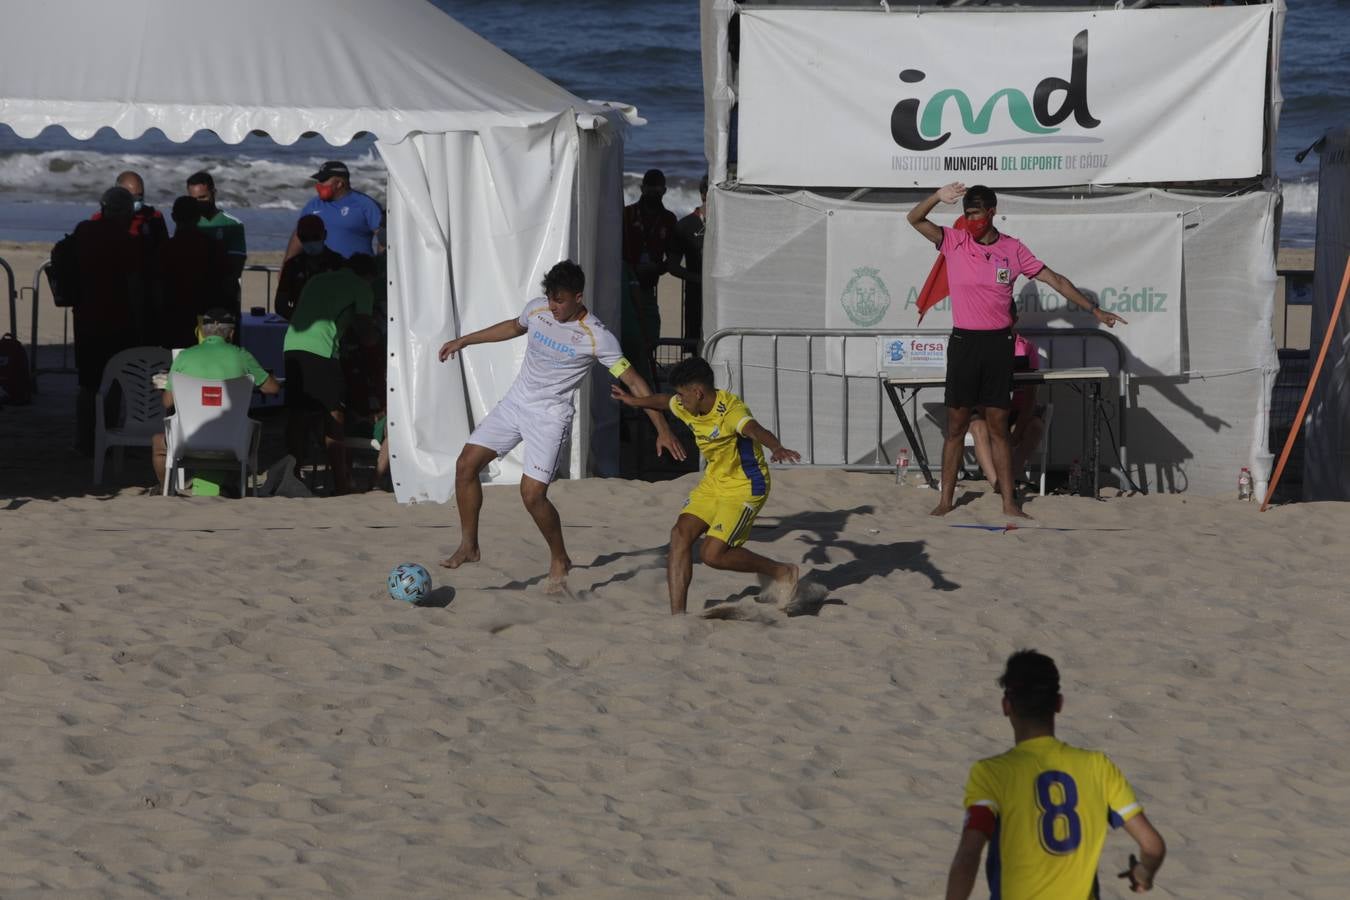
x=16 y=384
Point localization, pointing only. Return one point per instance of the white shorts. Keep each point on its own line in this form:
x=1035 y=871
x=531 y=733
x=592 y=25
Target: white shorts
x=545 y=436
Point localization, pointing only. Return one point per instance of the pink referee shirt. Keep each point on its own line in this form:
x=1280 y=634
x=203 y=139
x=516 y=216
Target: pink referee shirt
x=981 y=278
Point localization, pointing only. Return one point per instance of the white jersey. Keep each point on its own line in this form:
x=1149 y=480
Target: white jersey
x=558 y=356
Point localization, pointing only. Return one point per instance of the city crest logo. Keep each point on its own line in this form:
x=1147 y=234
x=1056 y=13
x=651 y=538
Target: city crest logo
x=865 y=298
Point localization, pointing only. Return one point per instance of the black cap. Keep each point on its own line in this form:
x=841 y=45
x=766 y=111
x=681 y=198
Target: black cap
x=116 y=202
x=330 y=169
x=218 y=315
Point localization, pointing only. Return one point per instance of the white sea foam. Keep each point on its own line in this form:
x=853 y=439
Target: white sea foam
x=1300 y=198
x=241 y=181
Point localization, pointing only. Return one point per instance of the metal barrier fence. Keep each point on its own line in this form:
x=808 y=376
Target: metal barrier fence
x=65 y=331
x=807 y=337
x=13 y=299
x=65 y=366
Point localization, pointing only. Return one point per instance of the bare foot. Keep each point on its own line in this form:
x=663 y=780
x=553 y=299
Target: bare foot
x=557 y=576
x=1015 y=512
x=780 y=590
x=942 y=509
x=460 y=557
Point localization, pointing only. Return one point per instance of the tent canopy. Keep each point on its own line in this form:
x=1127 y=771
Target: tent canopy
x=336 y=68
x=495 y=173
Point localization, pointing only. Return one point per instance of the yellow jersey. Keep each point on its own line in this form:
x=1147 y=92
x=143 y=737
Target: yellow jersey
x=735 y=462
x=1051 y=806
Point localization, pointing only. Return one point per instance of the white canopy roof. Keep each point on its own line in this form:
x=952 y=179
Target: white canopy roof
x=333 y=67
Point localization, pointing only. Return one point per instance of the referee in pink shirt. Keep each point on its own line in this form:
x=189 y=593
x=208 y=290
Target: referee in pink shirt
x=982 y=265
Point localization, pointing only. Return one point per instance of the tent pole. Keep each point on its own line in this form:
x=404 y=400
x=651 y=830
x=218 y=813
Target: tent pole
x=1307 y=394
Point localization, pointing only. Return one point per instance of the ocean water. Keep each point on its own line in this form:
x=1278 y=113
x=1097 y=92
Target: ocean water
x=639 y=51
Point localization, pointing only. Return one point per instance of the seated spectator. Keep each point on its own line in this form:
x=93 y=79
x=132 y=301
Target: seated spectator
x=330 y=303
x=110 y=267
x=1026 y=418
x=194 y=276
x=214 y=358
x=314 y=257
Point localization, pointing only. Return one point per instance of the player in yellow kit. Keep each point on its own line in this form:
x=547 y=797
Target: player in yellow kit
x=1044 y=806
x=735 y=483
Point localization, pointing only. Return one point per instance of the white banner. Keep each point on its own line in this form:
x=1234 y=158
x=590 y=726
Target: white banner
x=876 y=264
x=1018 y=99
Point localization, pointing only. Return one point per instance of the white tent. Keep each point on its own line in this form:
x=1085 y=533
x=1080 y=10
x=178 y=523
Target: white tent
x=495 y=173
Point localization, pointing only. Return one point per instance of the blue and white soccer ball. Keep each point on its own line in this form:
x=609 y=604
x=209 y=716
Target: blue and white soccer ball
x=410 y=583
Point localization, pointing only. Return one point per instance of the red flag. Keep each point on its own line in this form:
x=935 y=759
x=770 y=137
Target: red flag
x=935 y=288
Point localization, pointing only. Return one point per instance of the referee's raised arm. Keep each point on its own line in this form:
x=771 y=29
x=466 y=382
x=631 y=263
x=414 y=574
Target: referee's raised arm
x=918 y=216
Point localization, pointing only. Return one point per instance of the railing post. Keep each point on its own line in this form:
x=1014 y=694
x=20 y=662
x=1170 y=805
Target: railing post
x=13 y=299
x=843 y=366
x=33 y=347
x=810 y=401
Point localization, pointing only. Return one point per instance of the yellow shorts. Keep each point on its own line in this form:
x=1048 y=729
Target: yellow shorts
x=728 y=515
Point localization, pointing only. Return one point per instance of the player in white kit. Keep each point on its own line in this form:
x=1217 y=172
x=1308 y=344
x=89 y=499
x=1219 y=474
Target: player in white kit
x=564 y=340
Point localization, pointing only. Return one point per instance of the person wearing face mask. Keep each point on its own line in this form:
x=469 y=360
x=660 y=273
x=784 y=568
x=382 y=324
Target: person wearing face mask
x=149 y=234
x=193 y=276
x=146 y=221
x=314 y=257
x=350 y=217
x=221 y=226
x=982 y=264
x=111 y=276
x=649 y=250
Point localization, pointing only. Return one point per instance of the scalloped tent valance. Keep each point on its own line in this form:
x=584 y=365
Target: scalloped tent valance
x=285 y=67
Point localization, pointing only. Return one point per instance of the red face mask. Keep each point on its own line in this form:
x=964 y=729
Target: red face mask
x=978 y=228
x=325 y=191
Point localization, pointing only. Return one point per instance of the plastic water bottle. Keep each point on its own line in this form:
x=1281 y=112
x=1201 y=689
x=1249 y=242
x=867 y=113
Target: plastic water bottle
x=1245 y=485
x=901 y=465
x=1075 y=477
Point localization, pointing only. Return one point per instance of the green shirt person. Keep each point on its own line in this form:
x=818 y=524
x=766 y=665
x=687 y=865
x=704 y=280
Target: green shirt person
x=329 y=304
x=214 y=358
x=217 y=223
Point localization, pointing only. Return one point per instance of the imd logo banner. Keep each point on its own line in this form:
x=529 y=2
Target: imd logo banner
x=860 y=99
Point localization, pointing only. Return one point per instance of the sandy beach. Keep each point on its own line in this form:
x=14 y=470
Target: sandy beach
x=216 y=698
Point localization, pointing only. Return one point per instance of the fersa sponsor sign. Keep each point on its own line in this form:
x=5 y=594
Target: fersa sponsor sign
x=914 y=351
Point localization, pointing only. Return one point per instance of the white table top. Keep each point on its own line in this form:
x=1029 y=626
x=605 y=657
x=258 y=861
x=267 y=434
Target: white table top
x=1035 y=376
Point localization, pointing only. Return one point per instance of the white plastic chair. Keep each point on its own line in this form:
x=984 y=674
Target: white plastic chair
x=210 y=428
x=142 y=409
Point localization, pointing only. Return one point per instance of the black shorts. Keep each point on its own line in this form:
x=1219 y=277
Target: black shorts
x=313 y=381
x=980 y=368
